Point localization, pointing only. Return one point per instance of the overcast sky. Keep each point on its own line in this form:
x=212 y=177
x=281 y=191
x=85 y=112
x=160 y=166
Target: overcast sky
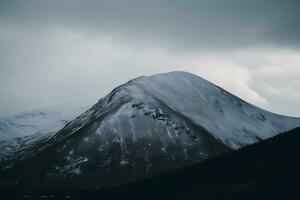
x=53 y=52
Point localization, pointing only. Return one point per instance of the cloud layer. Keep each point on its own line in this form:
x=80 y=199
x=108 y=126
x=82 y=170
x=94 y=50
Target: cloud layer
x=53 y=52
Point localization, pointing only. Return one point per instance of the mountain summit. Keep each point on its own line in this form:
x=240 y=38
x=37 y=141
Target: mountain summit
x=146 y=126
x=230 y=119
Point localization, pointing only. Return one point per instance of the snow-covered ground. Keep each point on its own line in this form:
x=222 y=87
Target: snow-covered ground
x=230 y=119
x=18 y=132
x=41 y=121
x=144 y=127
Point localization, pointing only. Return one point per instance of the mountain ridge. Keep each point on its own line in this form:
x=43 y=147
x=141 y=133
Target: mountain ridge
x=185 y=81
x=144 y=127
x=42 y=120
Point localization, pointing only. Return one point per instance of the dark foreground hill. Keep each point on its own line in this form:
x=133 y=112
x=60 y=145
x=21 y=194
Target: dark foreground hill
x=266 y=170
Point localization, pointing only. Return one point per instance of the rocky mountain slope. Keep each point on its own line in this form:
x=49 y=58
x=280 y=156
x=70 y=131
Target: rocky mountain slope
x=145 y=127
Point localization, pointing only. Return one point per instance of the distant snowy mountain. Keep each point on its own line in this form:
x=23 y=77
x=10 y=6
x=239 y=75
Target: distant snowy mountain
x=144 y=127
x=20 y=130
x=41 y=121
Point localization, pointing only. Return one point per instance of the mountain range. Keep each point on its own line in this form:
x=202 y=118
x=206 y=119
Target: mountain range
x=147 y=126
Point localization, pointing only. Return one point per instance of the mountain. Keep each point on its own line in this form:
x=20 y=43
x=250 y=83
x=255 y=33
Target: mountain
x=42 y=121
x=147 y=126
x=20 y=130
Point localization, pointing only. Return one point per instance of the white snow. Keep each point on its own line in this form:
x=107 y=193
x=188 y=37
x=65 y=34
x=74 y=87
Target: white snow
x=158 y=108
x=230 y=119
x=42 y=121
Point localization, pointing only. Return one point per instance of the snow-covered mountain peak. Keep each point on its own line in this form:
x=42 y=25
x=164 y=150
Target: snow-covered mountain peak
x=144 y=127
x=230 y=119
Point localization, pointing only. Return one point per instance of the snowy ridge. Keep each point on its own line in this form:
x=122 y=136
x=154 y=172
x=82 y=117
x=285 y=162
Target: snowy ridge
x=41 y=121
x=146 y=126
x=20 y=131
x=230 y=119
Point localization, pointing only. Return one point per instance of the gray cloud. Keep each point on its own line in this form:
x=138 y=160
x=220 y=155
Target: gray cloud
x=53 y=52
x=175 y=23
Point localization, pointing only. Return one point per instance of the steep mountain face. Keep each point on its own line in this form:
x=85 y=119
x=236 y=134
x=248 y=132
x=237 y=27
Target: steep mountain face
x=20 y=130
x=144 y=127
